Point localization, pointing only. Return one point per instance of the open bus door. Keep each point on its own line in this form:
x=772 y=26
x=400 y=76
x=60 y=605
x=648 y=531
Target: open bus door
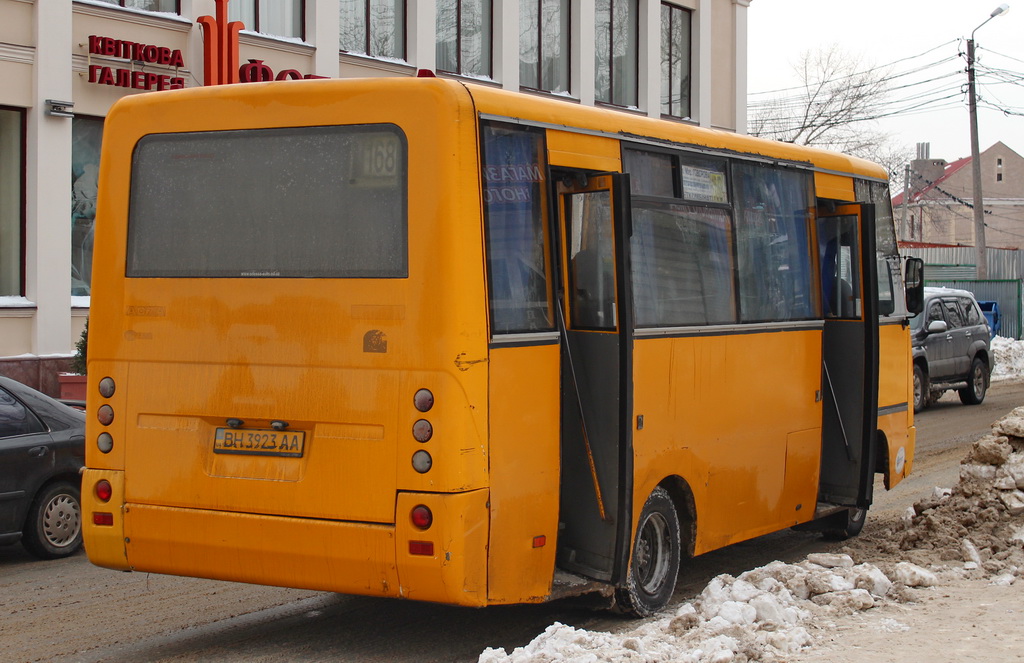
x=846 y=241
x=597 y=327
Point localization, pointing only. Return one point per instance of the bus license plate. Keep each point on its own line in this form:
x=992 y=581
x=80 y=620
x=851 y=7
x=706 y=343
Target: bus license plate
x=259 y=442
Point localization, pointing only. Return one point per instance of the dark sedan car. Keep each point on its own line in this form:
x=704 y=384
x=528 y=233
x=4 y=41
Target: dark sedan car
x=42 y=449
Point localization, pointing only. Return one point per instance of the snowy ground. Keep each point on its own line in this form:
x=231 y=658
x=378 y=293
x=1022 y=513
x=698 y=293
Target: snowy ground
x=953 y=556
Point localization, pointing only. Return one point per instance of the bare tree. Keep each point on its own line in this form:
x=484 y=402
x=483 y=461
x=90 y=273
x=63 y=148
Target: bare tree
x=835 y=107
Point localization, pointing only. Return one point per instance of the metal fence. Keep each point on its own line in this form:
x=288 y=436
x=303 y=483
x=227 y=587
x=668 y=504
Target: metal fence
x=1002 y=263
x=954 y=267
x=1005 y=292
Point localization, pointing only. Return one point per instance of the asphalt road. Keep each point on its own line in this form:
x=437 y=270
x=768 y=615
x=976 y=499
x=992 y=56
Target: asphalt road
x=68 y=610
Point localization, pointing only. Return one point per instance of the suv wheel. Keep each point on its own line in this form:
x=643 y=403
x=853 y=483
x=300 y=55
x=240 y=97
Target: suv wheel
x=921 y=389
x=977 y=383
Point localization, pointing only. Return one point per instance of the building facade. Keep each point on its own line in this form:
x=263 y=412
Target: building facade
x=939 y=208
x=64 y=63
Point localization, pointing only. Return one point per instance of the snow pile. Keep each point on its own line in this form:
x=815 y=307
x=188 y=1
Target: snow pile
x=757 y=616
x=974 y=530
x=1009 y=356
x=978 y=523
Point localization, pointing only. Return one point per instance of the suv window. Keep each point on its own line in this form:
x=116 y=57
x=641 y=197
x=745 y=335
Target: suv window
x=15 y=418
x=971 y=312
x=934 y=313
x=953 y=314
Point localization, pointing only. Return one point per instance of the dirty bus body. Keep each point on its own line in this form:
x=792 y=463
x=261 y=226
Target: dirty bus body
x=421 y=339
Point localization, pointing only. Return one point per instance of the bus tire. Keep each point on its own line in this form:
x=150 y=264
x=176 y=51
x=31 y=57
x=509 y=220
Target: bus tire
x=852 y=524
x=922 y=390
x=977 y=384
x=53 y=528
x=654 y=564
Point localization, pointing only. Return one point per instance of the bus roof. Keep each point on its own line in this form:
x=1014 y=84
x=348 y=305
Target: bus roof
x=564 y=113
x=551 y=112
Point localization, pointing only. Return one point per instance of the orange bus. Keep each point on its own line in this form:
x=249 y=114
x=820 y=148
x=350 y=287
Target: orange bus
x=424 y=339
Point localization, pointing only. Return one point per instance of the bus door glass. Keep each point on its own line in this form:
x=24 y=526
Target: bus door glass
x=846 y=246
x=596 y=320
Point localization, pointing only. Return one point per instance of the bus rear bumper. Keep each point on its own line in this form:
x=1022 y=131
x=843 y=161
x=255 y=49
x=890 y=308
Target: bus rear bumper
x=444 y=563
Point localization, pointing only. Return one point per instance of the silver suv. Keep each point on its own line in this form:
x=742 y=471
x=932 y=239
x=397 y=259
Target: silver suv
x=950 y=339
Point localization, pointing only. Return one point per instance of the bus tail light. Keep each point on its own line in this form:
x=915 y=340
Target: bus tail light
x=104 y=491
x=421 y=548
x=422 y=462
x=107 y=387
x=105 y=415
x=422 y=517
x=423 y=400
x=105 y=519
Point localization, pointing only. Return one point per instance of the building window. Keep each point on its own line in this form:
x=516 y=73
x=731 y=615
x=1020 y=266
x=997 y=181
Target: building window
x=12 y=151
x=999 y=177
x=279 y=18
x=148 y=5
x=544 y=45
x=464 y=37
x=675 y=61
x=373 y=27
x=86 y=137
x=615 y=45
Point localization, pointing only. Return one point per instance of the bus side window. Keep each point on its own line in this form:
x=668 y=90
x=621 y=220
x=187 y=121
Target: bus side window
x=840 y=279
x=592 y=268
x=515 y=206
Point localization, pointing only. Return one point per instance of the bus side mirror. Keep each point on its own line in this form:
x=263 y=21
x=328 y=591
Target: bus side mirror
x=914 y=278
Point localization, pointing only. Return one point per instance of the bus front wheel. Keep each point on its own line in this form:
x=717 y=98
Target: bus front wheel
x=850 y=523
x=654 y=564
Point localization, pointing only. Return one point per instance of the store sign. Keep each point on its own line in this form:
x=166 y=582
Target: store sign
x=220 y=54
x=134 y=52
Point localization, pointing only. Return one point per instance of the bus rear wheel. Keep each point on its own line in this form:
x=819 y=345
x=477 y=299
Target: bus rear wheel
x=654 y=564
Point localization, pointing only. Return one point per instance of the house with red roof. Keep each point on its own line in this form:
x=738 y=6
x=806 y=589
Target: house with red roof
x=937 y=205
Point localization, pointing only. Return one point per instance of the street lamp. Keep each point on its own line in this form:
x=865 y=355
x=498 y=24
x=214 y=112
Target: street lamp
x=980 y=253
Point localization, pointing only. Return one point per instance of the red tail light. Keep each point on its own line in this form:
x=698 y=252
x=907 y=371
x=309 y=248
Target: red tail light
x=421 y=548
x=422 y=517
x=103 y=490
x=106 y=519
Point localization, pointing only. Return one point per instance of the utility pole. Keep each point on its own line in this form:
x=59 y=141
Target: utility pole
x=906 y=201
x=980 y=253
x=980 y=250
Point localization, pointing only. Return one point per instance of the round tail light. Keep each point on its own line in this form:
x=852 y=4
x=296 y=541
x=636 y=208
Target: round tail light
x=422 y=517
x=105 y=415
x=104 y=491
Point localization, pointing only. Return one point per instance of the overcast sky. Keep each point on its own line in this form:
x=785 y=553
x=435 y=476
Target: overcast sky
x=883 y=32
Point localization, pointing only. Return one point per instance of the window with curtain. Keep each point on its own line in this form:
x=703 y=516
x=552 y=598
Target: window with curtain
x=86 y=138
x=278 y=18
x=373 y=27
x=464 y=37
x=544 y=45
x=675 y=60
x=149 y=5
x=12 y=152
x=682 y=267
x=616 y=54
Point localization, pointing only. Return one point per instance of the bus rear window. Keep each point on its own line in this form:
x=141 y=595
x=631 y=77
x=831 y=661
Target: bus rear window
x=302 y=202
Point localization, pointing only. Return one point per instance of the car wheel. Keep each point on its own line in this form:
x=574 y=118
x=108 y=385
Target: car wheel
x=921 y=389
x=54 y=525
x=977 y=383
x=853 y=520
x=654 y=565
